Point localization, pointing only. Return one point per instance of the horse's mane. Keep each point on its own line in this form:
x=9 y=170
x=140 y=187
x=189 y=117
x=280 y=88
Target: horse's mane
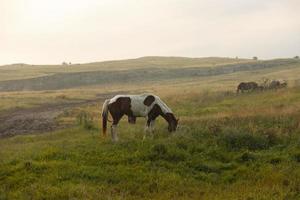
x=165 y=109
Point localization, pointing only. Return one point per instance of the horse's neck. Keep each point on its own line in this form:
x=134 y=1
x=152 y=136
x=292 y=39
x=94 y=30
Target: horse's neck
x=167 y=116
x=164 y=108
x=164 y=116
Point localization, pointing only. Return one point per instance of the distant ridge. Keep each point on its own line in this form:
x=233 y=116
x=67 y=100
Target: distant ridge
x=137 y=71
x=151 y=59
x=144 y=58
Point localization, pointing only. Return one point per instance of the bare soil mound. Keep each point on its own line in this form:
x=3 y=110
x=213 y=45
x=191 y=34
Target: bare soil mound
x=39 y=119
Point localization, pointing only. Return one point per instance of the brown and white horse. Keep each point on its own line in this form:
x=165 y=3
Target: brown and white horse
x=144 y=105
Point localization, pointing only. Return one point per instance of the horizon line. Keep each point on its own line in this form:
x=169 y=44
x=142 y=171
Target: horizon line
x=134 y=58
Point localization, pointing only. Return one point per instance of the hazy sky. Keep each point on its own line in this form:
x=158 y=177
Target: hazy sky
x=53 y=31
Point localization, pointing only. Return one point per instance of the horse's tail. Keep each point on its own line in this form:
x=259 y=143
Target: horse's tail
x=238 y=89
x=105 y=116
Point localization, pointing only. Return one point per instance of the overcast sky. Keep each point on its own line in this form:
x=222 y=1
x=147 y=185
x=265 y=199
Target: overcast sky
x=53 y=31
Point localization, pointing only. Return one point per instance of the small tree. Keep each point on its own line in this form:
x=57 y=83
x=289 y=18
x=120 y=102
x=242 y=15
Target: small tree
x=255 y=58
x=296 y=57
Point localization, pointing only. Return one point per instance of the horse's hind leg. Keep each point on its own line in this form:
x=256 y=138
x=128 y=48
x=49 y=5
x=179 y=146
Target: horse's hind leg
x=114 y=134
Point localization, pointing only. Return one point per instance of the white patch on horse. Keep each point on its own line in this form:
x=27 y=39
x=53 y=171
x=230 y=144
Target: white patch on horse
x=138 y=107
x=165 y=109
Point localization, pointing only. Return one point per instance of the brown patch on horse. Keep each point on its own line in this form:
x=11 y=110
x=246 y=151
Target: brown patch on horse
x=169 y=117
x=155 y=112
x=120 y=107
x=131 y=119
x=247 y=86
x=149 y=100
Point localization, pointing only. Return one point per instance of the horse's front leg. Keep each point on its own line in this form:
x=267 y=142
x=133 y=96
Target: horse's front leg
x=152 y=122
x=146 y=130
x=149 y=128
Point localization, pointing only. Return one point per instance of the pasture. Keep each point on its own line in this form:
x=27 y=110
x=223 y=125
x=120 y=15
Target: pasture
x=228 y=146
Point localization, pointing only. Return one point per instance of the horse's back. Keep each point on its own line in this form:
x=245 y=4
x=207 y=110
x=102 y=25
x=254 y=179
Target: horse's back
x=141 y=104
x=241 y=86
x=137 y=105
x=247 y=86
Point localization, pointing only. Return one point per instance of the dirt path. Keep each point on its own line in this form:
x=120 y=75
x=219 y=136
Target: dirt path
x=39 y=119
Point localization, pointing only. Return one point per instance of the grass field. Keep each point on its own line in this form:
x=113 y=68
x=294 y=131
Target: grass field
x=227 y=146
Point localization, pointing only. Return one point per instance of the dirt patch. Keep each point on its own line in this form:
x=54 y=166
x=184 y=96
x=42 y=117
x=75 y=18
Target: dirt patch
x=40 y=119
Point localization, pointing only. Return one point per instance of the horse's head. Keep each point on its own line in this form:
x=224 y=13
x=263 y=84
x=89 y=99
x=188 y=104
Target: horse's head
x=173 y=122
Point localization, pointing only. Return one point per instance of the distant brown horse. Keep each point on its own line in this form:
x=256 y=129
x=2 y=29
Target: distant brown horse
x=144 y=105
x=247 y=86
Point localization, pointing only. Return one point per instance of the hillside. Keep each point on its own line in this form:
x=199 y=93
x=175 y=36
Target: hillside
x=22 y=71
x=140 y=70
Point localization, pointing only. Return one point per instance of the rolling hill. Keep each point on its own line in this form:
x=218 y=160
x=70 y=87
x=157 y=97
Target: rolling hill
x=146 y=69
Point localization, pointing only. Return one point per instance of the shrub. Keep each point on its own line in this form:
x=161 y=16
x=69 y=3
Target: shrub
x=246 y=157
x=275 y=161
x=85 y=120
x=182 y=145
x=159 y=149
x=161 y=152
x=234 y=140
x=296 y=157
x=272 y=136
x=214 y=128
x=207 y=168
x=157 y=152
x=176 y=155
x=219 y=155
x=61 y=96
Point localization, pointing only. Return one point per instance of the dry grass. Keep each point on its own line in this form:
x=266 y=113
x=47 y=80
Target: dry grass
x=182 y=87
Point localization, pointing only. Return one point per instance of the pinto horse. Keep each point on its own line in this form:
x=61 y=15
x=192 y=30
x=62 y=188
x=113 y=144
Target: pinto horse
x=144 y=105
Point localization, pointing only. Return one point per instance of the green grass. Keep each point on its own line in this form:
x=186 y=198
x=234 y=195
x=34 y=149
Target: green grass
x=227 y=147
